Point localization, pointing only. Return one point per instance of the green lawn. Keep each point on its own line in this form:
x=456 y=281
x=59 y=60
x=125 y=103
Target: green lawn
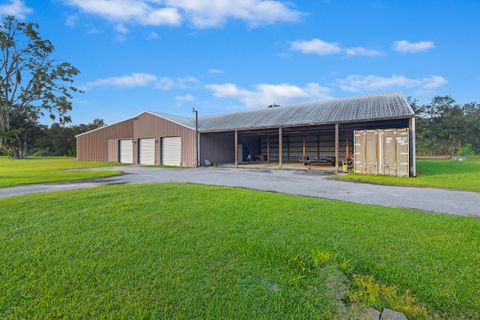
x=448 y=174
x=49 y=169
x=190 y=251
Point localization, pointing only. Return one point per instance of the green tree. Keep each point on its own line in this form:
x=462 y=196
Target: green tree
x=472 y=125
x=31 y=80
x=59 y=140
x=444 y=126
x=24 y=133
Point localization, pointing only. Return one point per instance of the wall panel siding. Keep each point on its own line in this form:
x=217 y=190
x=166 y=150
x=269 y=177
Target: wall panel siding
x=99 y=145
x=112 y=150
x=94 y=146
x=149 y=126
x=217 y=147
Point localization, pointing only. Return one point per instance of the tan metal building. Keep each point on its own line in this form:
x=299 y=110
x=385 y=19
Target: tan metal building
x=144 y=139
x=322 y=132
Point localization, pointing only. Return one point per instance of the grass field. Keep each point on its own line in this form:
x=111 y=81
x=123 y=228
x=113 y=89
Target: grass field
x=49 y=169
x=189 y=251
x=448 y=174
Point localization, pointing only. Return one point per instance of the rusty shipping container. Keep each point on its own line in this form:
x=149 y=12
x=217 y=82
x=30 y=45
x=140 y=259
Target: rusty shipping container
x=382 y=151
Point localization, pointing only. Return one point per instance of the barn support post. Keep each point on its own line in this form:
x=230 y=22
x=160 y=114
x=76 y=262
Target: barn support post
x=197 y=139
x=288 y=148
x=280 y=145
x=346 y=145
x=346 y=148
x=413 y=148
x=268 y=149
x=236 y=149
x=304 y=149
x=336 y=148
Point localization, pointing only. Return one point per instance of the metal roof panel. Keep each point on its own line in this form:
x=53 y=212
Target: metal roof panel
x=374 y=107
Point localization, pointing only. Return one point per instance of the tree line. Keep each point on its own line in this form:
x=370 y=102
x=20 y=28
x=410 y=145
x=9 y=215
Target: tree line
x=445 y=127
x=36 y=139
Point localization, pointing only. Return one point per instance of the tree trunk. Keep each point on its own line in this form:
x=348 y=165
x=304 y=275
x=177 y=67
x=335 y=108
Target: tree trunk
x=18 y=151
x=25 y=151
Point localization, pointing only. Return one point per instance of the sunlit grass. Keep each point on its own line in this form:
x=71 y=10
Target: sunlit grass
x=448 y=174
x=190 y=251
x=15 y=172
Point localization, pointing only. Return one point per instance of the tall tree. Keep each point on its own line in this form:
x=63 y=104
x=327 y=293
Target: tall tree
x=31 y=80
x=444 y=126
x=24 y=133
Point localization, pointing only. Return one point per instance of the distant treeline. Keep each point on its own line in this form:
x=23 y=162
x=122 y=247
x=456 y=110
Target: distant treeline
x=446 y=127
x=29 y=137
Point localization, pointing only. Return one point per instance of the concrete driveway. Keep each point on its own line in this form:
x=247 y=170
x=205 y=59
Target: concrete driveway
x=305 y=183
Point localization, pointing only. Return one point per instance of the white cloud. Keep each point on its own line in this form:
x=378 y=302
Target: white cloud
x=317 y=91
x=91 y=29
x=207 y=13
x=433 y=82
x=120 y=28
x=134 y=11
x=144 y=79
x=128 y=81
x=16 y=8
x=362 y=51
x=323 y=48
x=215 y=71
x=405 y=46
x=167 y=83
x=163 y=16
x=262 y=95
x=200 y=13
x=187 y=82
x=357 y=83
x=315 y=46
x=182 y=99
x=153 y=36
x=71 y=20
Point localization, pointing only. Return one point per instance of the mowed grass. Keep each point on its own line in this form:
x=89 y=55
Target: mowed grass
x=448 y=174
x=191 y=251
x=14 y=172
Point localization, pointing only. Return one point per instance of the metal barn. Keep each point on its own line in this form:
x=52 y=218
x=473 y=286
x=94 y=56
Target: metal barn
x=372 y=134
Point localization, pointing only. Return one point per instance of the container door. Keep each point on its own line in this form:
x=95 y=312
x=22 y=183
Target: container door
x=371 y=152
x=390 y=152
x=403 y=146
x=359 y=151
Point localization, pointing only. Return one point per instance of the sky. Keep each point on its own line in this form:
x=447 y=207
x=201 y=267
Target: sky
x=233 y=55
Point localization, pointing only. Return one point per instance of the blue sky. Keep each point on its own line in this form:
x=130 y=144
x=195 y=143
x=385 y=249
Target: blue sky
x=231 y=55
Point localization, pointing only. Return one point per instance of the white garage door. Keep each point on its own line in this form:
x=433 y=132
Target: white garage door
x=126 y=151
x=147 y=151
x=172 y=151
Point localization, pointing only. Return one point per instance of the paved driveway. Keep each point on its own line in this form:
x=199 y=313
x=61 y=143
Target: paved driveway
x=304 y=183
